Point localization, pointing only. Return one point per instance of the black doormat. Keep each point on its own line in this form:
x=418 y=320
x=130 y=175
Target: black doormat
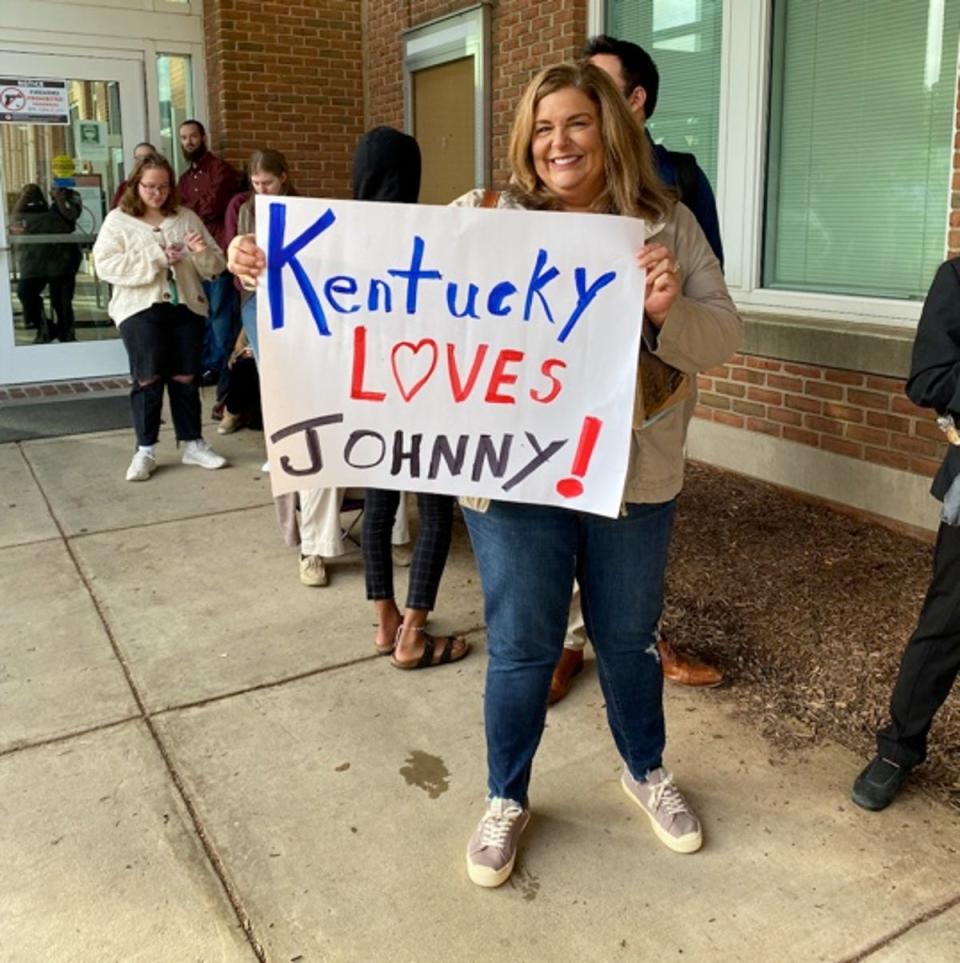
x=52 y=419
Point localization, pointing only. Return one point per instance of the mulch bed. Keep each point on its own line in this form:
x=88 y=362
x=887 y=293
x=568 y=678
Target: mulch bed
x=807 y=611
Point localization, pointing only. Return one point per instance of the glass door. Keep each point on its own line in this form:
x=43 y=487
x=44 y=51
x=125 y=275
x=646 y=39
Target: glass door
x=67 y=128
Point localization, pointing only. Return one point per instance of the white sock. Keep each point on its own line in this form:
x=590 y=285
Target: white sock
x=150 y=450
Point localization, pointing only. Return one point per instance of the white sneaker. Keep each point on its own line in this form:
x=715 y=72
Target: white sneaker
x=199 y=453
x=312 y=571
x=142 y=466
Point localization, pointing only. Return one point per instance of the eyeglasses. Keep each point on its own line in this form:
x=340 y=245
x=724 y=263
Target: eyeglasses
x=154 y=188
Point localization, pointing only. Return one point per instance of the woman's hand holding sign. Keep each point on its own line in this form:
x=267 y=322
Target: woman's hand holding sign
x=246 y=260
x=663 y=281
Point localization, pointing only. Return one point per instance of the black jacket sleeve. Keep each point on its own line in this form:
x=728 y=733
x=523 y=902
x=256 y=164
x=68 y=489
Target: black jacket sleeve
x=935 y=368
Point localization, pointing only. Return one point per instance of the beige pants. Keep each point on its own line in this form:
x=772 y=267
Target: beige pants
x=320 y=529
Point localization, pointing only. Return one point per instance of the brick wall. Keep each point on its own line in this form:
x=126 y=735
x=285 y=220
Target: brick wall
x=846 y=412
x=524 y=37
x=287 y=74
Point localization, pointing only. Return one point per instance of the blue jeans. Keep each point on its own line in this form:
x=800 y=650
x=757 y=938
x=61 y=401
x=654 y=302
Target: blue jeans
x=248 y=318
x=221 y=329
x=528 y=556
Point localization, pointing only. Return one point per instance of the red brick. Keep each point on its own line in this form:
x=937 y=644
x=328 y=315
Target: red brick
x=734 y=390
x=801 y=437
x=916 y=446
x=840 y=447
x=929 y=430
x=704 y=384
x=892 y=385
x=720 y=371
x=748 y=375
x=881 y=456
x=871 y=436
x=843 y=377
x=764 y=427
x=823 y=425
x=747 y=408
x=784 y=416
x=821 y=390
x=904 y=406
x=726 y=418
x=924 y=466
x=787 y=384
x=877 y=419
x=765 y=364
x=805 y=371
x=843 y=412
x=714 y=401
x=803 y=404
x=869 y=399
x=702 y=411
x=765 y=397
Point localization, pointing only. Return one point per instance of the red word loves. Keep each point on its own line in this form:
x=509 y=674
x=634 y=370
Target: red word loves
x=414 y=364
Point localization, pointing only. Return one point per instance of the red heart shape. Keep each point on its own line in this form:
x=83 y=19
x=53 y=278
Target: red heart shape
x=414 y=349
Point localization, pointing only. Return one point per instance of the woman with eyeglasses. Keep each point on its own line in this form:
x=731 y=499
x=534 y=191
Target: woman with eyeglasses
x=155 y=253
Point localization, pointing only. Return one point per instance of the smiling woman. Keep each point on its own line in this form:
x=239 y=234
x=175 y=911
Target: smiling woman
x=576 y=146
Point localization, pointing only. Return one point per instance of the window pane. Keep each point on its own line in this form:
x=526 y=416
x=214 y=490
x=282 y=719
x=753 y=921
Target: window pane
x=862 y=100
x=683 y=37
x=175 y=80
x=61 y=177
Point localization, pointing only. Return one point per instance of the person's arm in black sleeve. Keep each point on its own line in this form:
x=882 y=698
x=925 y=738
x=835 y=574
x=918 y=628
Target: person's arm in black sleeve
x=935 y=368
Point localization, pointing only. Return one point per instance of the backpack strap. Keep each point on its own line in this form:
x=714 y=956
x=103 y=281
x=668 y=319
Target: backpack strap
x=685 y=171
x=490 y=198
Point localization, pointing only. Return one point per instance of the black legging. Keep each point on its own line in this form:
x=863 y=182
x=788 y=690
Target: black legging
x=429 y=553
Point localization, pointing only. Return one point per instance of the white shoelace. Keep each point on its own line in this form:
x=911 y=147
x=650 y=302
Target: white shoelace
x=497 y=822
x=666 y=796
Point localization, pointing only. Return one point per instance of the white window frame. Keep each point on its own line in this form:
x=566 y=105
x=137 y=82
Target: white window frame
x=741 y=168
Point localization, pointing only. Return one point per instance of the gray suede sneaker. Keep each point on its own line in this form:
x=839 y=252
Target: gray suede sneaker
x=674 y=822
x=492 y=849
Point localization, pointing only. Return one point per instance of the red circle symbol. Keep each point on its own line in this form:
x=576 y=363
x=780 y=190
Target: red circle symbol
x=12 y=98
x=569 y=487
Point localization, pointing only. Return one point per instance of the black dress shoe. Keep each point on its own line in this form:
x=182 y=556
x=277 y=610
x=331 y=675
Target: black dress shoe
x=877 y=786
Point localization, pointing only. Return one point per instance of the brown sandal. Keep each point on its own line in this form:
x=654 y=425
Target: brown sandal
x=426 y=660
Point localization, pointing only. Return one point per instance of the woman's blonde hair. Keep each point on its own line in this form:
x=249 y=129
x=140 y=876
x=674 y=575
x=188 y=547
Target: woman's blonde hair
x=631 y=184
x=131 y=203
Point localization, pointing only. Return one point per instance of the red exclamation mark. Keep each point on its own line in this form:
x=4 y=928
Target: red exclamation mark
x=571 y=487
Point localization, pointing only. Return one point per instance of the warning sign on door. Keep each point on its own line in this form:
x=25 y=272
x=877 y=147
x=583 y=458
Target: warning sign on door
x=33 y=101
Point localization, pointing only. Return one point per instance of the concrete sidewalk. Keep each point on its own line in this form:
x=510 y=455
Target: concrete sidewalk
x=201 y=759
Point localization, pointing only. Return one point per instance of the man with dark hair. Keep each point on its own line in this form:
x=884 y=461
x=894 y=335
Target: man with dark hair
x=207 y=186
x=635 y=73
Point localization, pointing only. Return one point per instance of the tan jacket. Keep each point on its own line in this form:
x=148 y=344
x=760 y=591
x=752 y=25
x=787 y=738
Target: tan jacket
x=128 y=254
x=701 y=330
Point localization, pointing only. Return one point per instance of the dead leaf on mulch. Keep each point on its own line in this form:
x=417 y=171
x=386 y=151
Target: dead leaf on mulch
x=806 y=610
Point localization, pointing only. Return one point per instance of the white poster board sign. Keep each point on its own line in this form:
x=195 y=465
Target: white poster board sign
x=477 y=352
x=33 y=101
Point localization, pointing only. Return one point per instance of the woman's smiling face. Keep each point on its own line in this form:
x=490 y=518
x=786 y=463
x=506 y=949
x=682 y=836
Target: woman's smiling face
x=567 y=148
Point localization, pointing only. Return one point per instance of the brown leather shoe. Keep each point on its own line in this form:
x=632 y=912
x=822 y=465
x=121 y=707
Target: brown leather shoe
x=685 y=670
x=569 y=665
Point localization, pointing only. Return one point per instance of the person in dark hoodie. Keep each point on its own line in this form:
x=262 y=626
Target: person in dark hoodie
x=386 y=167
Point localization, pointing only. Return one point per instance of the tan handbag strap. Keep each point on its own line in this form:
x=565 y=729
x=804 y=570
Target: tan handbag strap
x=490 y=198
